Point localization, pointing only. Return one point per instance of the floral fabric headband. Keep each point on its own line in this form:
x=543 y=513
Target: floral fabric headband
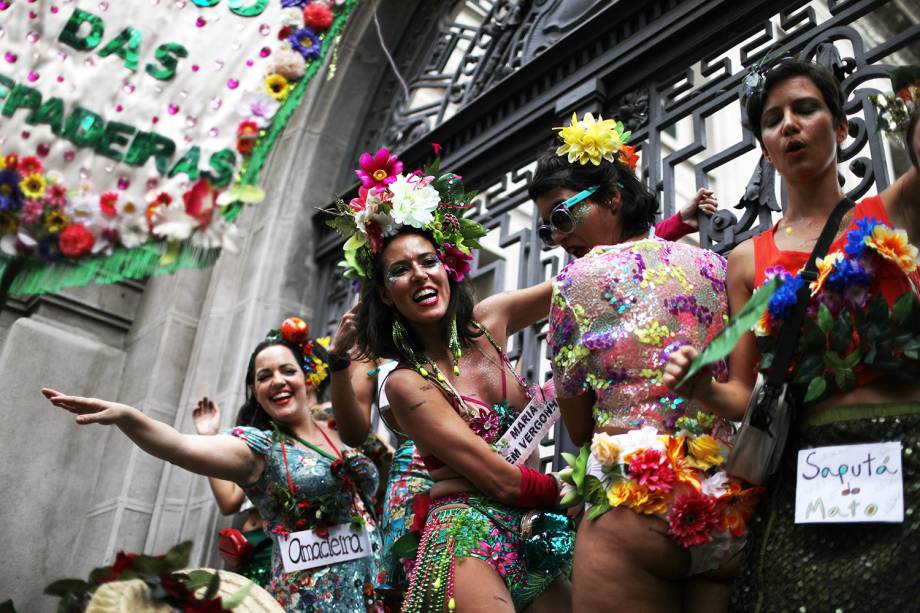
x=428 y=199
x=592 y=140
x=296 y=331
x=896 y=107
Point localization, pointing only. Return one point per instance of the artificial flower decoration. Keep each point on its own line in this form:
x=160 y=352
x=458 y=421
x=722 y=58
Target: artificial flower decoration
x=297 y=332
x=107 y=204
x=592 y=140
x=258 y=107
x=11 y=196
x=277 y=86
x=893 y=245
x=306 y=42
x=317 y=16
x=895 y=108
x=378 y=170
x=428 y=199
x=75 y=241
x=33 y=186
x=30 y=165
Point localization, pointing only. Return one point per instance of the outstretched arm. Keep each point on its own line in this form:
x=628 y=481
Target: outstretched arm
x=902 y=201
x=221 y=456
x=229 y=495
x=512 y=311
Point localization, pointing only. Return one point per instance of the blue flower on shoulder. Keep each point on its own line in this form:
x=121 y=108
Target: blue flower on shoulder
x=856 y=238
x=785 y=297
x=847 y=273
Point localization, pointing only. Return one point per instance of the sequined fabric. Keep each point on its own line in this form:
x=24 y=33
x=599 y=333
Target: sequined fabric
x=836 y=567
x=617 y=314
x=473 y=526
x=347 y=587
x=407 y=478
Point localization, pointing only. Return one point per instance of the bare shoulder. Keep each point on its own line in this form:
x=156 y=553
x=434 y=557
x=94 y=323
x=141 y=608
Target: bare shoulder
x=741 y=265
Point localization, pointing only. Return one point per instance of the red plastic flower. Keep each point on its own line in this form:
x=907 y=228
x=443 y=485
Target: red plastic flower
x=245 y=145
x=437 y=148
x=107 y=202
x=629 y=157
x=456 y=262
x=29 y=165
x=56 y=195
x=123 y=561
x=75 y=241
x=200 y=202
x=651 y=468
x=284 y=32
x=248 y=128
x=317 y=16
x=692 y=519
x=11 y=161
x=378 y=170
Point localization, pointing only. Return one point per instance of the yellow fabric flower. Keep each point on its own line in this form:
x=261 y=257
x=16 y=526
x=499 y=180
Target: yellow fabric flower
x=627 y=492
x=33 y=186
x=683 y=470
x=705 y=452
x=893 y=245
x=324 y=341
x=826 y=266
x=605 y=450
x=591 y=140
x=763 y=326
x=277 y=86
x=55 y=221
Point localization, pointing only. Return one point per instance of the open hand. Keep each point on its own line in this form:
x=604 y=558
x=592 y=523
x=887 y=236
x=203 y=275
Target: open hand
x=88 y=410
x=206 y=416
x=704 y=201
x=677 y=367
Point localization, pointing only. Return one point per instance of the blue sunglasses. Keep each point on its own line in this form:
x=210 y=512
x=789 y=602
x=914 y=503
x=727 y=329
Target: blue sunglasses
x=561 y=219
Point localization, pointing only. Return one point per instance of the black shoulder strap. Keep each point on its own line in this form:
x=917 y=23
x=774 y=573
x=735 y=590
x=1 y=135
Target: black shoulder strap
x=791 y=329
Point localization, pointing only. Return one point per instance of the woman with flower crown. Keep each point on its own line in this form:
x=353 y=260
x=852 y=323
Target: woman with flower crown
x=455 y=394
x=853 y=379
x=306 y=484
x=663 y=519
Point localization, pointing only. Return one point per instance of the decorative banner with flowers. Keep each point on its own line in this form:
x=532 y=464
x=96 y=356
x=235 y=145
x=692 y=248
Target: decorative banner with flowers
x=131 y=133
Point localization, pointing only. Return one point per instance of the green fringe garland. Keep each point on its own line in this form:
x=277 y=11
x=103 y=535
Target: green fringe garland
x=36 y=278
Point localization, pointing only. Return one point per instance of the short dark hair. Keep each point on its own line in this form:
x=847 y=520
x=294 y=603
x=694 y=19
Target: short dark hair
x=640 y=205
x=376 y=318
x=252 y=413
x=823 y=79
x=908 y=138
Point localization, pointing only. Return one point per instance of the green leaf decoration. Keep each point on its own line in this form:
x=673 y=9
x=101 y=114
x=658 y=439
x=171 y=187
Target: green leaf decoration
x=406 y=546
x=178 y=556
x=62 y=587
x=580 y=469
x=903 y=307
x=148 y=565
x=815 y=389
x=213 y=587
x=237 y=597
x=594 y=490
x=725 y=341
x=597 y=510
x=825 y=319
x=197 y=579
x=570 y=458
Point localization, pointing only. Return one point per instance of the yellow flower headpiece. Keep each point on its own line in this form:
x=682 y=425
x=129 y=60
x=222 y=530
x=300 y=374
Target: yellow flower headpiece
x=592 y=140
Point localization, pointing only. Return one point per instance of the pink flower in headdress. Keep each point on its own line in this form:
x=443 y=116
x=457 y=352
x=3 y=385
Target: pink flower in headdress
x=456 y=262
x=378 y=170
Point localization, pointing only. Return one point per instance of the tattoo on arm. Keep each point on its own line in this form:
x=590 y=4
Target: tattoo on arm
x=416 y=405
x=426 y=387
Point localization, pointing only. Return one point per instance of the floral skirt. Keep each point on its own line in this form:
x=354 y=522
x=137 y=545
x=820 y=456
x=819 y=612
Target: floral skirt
x=408 y=477
x=676 y=478
x=465 y=525
x=827 y=567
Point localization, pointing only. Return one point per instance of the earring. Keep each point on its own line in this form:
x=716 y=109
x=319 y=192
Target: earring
x=401 y=340
x=453 y=343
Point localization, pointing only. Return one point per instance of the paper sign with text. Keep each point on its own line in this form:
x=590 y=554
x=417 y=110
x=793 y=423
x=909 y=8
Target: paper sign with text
x=306 y=549
x=530 y=426
x=850 y=483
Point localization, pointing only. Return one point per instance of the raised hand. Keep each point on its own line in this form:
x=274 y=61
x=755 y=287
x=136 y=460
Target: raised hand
x=88 y=410
x=704 y=201
x=678 y=365
x=347 y=332
x=206 y=416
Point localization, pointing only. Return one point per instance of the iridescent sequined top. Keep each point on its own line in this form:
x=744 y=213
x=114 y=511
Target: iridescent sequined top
x=617 y=314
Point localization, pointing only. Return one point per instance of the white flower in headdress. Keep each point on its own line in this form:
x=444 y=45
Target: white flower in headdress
x=414 y=201
x=133 y=231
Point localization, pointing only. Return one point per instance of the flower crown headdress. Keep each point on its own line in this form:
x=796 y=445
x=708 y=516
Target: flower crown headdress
x=429 y=199
x=592 y=140
x=296 y=331
x=896 y=107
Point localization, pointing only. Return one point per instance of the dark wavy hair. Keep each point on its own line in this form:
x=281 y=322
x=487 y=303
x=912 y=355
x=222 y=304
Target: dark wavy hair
x=375 y=317
x=252 y=413
x=639 y=203
x=823 y=79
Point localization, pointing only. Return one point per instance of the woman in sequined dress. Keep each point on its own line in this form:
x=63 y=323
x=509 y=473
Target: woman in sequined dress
x=289 y=465
x=663 y=521
x=869 y=396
